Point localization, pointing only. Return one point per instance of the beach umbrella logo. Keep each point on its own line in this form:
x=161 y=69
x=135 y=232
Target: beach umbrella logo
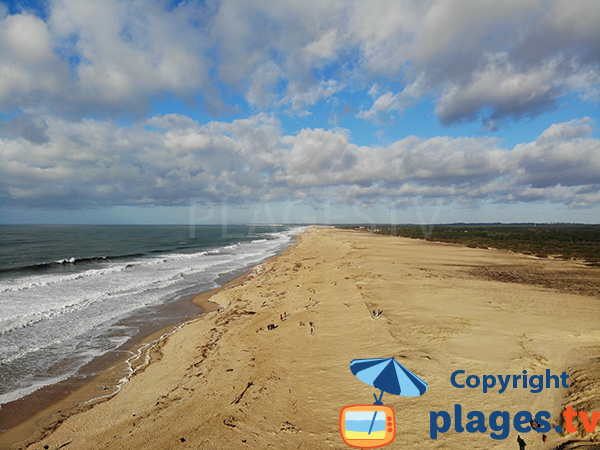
x=388 y=375
x=373 y=426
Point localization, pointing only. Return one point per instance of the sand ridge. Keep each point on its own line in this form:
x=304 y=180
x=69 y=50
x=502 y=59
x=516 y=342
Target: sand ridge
x=227 y=381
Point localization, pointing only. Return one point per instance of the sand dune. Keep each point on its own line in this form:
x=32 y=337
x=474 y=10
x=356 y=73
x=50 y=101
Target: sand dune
x=227 y=381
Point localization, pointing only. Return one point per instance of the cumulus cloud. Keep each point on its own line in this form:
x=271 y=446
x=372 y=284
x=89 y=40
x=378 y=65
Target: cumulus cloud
x=577 y=128
x=77 y=83
x=306 y=98
x=170 y=159
x=32 y=128
x=491 y=61
x=502 y=89
x=556 y=157
x=389 y=102
x=478 y=60
x=102 y=56
x=483 y=61
x=28 y=66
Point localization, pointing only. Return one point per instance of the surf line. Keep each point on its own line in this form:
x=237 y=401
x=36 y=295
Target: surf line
x=144 y=351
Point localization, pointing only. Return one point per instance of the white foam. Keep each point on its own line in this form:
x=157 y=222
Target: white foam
x=22 y=392
x=51 y=318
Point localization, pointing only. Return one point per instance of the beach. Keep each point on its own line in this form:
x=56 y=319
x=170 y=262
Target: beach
x=226 y=380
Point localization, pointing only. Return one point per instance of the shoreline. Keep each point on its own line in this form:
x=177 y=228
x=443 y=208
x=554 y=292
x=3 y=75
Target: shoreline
x=228 y=380
x=26 y=421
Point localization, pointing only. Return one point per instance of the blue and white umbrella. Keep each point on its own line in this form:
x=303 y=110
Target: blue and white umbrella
x=389 y=376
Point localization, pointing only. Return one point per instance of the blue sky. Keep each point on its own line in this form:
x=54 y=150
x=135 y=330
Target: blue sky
x=313 y=111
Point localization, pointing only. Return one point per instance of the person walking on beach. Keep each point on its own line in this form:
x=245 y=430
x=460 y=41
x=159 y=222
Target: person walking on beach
x=534 y=424
x=521 y=443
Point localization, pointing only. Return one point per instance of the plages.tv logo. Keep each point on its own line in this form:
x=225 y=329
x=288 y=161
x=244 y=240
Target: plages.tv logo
x=373 y=426
x=500 y=421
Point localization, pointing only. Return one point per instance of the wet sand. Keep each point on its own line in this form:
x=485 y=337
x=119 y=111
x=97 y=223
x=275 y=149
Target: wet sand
x=227 y=381
x=26 y=418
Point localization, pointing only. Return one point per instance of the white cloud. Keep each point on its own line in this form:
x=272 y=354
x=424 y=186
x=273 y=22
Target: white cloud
x=171 y=121
x=325 y=46
x=383 y=31
x=306 y=98
x=112 y=60
x=479 y=60
x=28 y=38
x=97 y=56
x=502 y=88
x=90 y=163
x=382 y=104
x=576 y=128
x=562 y=155
x=261 y=92
x=491 y=60
x=28 y=66
x=386 y=104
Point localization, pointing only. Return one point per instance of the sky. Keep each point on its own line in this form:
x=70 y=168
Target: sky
x=192 y=112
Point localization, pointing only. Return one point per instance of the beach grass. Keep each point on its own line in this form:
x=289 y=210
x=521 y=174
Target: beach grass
x=567 y=241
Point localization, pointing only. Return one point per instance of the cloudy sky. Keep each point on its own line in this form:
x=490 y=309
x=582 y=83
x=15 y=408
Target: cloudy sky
x=165 y=111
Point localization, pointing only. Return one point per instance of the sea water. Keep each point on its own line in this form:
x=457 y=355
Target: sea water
x=68 y=293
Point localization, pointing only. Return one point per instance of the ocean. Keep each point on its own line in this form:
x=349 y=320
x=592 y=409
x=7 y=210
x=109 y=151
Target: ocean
x=69 y=294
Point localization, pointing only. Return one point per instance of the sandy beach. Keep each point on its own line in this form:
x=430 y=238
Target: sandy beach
x=228 y=381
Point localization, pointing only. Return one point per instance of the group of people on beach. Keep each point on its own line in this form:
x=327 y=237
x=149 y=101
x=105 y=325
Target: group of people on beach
x=534 y=425
x=272 y=326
